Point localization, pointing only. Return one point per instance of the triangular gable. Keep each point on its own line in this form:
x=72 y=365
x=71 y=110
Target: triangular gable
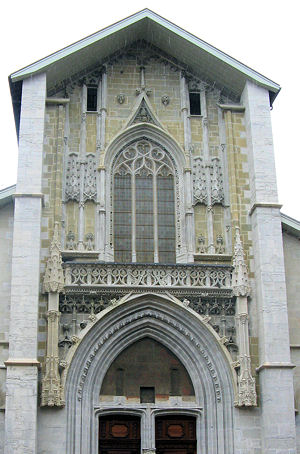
x=143 y=112
x=158 y=31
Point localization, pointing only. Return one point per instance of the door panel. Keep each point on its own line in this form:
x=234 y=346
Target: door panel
x=175 y=435
x=119 y=434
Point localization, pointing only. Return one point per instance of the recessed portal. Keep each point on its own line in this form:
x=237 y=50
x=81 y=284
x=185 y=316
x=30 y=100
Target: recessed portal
x=147 y=372
x=175 y=434
x=119 y=434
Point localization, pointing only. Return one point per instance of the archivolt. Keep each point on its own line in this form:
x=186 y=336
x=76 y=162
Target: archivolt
x=149 y=131
x=178 y=328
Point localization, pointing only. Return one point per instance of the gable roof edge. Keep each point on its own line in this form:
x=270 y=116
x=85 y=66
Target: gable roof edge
x=145 y=13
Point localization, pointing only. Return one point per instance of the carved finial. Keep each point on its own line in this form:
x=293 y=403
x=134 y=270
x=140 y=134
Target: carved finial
x=240 y=283
x=54 y=276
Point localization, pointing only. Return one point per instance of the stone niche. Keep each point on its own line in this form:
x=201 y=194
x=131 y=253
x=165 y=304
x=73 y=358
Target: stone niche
x=147 y=372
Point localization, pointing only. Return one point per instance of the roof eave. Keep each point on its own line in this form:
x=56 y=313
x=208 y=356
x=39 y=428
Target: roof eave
x=43 y=64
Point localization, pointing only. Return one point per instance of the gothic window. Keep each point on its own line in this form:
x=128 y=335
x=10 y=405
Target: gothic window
x=144 y=204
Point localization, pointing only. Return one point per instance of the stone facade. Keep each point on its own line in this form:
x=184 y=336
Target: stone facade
x=146 y=233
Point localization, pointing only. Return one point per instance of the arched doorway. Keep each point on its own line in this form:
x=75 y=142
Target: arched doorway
x=180 y=331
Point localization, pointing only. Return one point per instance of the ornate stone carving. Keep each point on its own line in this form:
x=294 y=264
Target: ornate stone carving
x=89 y=243
x=165 y=99
x=143 y=115
x=216 y=181
x=72 y=189
x=201 y=244
x=150 y=313
x=71 y=245
x=54 y=276
x=246 y=383
x=241 y=289
x=121 y=98
x=220 y=247
x=51 y=386
x=240 y=282
x=186 y=302
x=118 y=275
x=90 y=179
x=199 y=181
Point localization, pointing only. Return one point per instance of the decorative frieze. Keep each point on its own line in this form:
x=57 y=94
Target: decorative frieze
x=129 y=275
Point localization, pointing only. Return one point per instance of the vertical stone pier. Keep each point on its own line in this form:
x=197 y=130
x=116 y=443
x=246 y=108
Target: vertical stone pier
x=22 y=365
x=275 y=369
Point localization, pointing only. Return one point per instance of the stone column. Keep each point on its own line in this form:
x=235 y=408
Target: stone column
x=275 y=370
x=22 y=373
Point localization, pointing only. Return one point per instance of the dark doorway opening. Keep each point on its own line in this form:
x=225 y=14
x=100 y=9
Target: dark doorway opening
x=175 y=434
x=119 y=434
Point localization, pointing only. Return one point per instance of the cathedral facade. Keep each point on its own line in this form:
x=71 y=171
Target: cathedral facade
x=146 y=298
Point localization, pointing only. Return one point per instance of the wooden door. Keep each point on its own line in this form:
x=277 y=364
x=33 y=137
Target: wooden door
x=175 y=435
x=119 y=434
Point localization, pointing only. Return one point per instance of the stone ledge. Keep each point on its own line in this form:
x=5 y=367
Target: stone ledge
x=233 y=107
x=275 y=366
x=213 y=257
x=57 y=100
x=22 y=362
x=264 y=205
x=66 y=254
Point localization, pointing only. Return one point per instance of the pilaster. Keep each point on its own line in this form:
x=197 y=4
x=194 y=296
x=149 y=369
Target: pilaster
x=21 y=383
x=275 y=371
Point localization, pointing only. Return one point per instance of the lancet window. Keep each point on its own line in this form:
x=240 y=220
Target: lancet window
x=144 y=204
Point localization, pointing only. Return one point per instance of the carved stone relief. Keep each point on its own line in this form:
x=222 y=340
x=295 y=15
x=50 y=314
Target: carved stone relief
x=90 y=179
x=72 y=189
x=200 y=184
x=199 y=181
x=216 y=181
x=54 y=276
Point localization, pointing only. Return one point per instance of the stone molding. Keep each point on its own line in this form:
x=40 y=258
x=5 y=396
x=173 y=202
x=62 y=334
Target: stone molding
x=22 y=362
x=275 y=366
x=264 y=205
x=232 y=107
x=60 y=101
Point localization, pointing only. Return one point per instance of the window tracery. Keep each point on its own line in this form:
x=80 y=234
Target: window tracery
x=144 y=195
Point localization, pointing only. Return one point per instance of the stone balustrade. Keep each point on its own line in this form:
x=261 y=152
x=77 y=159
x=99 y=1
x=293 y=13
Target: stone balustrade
x=177 y=276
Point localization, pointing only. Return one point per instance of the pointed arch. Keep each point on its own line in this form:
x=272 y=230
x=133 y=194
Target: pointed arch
x=160 y=139
x=184 y=333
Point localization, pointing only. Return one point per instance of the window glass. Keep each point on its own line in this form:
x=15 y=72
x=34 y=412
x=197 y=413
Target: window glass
x=195 y=105
x=144 y=205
